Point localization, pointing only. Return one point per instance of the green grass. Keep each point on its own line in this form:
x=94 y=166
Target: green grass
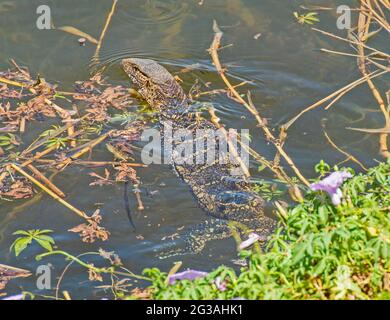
x=319 y=251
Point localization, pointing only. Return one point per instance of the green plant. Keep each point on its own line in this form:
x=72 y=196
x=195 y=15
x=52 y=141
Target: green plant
x=308 y=18
x=27 y=237
x=9 y=141
x=320 y=251
x=269 y=191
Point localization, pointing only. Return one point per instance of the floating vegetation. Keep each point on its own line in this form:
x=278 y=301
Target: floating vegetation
x=60 y=146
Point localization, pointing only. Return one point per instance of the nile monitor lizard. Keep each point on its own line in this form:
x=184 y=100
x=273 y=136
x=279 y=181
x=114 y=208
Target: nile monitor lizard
x=223 y=196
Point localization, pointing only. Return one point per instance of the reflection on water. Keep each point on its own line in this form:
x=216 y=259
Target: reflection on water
x=283 y=68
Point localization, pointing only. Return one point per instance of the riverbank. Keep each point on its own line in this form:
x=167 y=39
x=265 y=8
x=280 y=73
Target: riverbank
x=319 y=251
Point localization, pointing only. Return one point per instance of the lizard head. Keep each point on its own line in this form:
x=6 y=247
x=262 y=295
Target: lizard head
x=156 y=85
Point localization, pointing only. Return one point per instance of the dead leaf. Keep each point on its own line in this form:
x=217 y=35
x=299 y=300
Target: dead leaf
x=8 y=273
x=91 y=231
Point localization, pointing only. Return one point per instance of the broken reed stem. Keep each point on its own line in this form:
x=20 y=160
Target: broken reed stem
x=13 y=83
x=62 y=112
x=278 y=171
x=22 y=85
x=65 y=115
x=363 y=28
x=282 y=139
x=349 y=156
x=89 y=147
x=215 y=120
x=213 y=50
x=38 y=143
x=114 y=163
x=46 y=181
x=3 y=175
x=373 y=14
x=108 y=20
x=335 y=94
x=340 y=53
x=49 y=192
x=93 y=163
x=352 y=42
x=38 y=155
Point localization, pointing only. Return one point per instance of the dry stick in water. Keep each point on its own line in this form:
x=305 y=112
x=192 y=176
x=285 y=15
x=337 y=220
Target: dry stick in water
x=213 y=50
x=49 y=192
x=62 y=112
x=89 y=147
x=39 y=155
x=364 y=21
x=46 y=181
x=278 y=171
x=373 y=14
x=3 y=175
x=138 y=197
x=38 y=143
x=338 y=93
x=215 y=120
x=349 y=156
x=92 y=163
x=99 y=45
x=380 y=53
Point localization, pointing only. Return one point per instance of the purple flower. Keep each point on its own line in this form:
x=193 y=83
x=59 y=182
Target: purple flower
x=187 y=275
x=331 y=184
x=221 y=285
x=16 y=297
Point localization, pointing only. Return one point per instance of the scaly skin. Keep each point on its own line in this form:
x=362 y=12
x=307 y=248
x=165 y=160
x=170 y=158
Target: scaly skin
x=223 y=196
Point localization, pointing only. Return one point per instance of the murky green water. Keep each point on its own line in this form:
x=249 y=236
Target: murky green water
x=286 y=71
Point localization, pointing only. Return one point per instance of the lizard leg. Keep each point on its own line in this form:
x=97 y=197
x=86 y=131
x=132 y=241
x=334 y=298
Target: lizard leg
x=196 y=238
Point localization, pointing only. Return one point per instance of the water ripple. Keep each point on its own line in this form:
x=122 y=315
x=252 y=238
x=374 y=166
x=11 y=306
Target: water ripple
x=153 y=11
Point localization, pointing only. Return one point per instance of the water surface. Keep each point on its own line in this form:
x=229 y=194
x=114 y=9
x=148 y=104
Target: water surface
x=285 y=70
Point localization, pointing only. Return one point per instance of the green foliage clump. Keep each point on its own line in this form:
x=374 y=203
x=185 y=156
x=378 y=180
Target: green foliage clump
x=320 y=251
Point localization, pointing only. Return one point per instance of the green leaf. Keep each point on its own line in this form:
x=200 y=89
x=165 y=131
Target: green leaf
x=45 y=244
x=20 y=244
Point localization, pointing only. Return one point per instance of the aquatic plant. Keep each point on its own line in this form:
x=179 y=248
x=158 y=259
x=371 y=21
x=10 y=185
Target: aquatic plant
x=27 y=237
x=307 y=18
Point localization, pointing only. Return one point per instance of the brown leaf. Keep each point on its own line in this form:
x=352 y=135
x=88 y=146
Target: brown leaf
x=91 y=231
x=93 y=275
x=143 y=294
x=8 y=273
x=111 y=256
x=101 y=181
